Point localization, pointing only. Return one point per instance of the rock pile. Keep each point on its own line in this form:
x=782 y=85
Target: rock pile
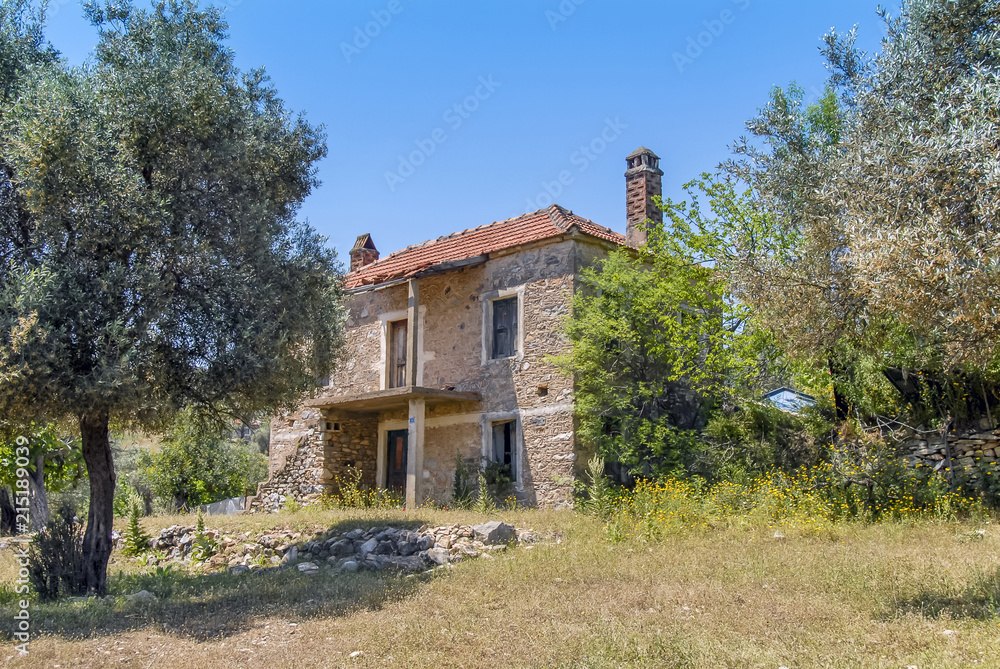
x=377 y=548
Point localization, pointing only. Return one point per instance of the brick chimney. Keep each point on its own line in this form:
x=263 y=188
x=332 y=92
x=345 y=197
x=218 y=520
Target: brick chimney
x=642 y=183
x=364 y=252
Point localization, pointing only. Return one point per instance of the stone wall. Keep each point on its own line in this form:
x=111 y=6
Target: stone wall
x=352 y=447
x=967 y=447
x=296 y=462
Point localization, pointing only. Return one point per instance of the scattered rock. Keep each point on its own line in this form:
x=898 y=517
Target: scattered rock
x=141 y=596
x=495 y=532
x=239 y=569
x=368 y=547
x=438 y=555
x=291 y=556
x=350 y=566
x=309 y=568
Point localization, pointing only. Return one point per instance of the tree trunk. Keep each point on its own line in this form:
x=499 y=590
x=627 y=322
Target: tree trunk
x=101 y=473
x=38 y=502
x=839 y=401
x=8 y=515
x=945 y=426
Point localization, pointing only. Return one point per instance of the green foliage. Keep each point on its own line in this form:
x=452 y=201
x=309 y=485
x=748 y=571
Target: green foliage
x=860 y=487
x=63 y=461
x=159 y=218
x=135 y=541
x=755 y=438
x=655 y=346
x=878 y=240
x=196 y=464
x=151 y=256
x=595 y=497
x=56 y=558
x=461 y=494
x=203 y=547
x=484 y=504
x=348 y=492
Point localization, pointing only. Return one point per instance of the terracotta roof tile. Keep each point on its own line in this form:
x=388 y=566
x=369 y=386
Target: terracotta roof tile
x=526 y=228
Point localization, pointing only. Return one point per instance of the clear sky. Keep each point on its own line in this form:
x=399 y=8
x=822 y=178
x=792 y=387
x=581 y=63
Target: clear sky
x=443 y=115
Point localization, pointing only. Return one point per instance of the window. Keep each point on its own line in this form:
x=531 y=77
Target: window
x=505 y=328
x=397 y=354
x=505 y=446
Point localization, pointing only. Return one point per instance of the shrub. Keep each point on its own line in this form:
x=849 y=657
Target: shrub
x=852 y=487
x=595 y=497
x=484 y=500
x=462 y=487
x=135 y=541
x=203 y=547
x=55 y=557
x=756 y=438
x=349 y=493
x=196 y=464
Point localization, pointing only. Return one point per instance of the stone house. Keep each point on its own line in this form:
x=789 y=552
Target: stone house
x=447 y=356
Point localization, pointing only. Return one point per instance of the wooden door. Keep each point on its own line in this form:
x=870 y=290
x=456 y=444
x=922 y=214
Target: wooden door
x=397 y=354
x=395 y=462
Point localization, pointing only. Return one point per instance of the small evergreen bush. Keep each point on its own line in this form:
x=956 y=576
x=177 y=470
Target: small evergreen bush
x=136 y=541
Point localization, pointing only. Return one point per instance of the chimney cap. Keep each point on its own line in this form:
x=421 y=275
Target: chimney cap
x=364 y=242
x=642 y=150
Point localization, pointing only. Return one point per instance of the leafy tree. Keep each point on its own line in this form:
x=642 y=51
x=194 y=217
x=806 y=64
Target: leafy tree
x=53 y=464
x=880 y=201
x=915 y=180
x=156 y=263
x=196 y=464
x=655 y=345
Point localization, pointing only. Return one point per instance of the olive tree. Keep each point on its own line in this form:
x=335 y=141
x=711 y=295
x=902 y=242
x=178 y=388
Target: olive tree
x=884 y=195
x=156 y=264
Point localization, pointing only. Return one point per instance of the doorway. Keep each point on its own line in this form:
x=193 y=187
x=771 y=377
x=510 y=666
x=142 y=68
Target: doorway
x=395 y=461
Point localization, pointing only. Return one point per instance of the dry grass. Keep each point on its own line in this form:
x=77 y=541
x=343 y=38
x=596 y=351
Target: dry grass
x=890 y=595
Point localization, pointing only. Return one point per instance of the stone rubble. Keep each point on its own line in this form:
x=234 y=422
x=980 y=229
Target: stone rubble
x=377 y=548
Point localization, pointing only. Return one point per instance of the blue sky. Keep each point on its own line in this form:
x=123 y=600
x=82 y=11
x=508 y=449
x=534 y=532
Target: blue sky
x=445 y=115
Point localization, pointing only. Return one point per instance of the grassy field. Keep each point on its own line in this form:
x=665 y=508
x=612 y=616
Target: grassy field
x=917 y=594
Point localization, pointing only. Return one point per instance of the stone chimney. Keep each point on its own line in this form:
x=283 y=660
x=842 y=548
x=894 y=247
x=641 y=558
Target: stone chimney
x=364 y=252
x=643 y=181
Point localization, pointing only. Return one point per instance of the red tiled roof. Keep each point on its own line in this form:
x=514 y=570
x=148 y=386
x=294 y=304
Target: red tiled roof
x=526 y=228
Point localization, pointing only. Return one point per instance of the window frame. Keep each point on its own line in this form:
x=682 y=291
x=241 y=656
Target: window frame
x=488 y=300
x=391 y=363
x=495 y=327
x=517 y=443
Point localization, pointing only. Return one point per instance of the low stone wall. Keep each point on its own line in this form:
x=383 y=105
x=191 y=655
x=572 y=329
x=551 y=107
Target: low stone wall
x=967 y=447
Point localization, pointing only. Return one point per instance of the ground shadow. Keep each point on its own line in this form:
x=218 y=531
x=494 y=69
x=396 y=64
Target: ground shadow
x=978 y=599
x=218 y=605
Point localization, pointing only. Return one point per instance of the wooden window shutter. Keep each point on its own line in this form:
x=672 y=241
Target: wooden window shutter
x=505 y=328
